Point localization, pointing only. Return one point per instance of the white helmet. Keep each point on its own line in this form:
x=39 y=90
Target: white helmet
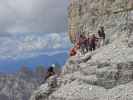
x=53 y=65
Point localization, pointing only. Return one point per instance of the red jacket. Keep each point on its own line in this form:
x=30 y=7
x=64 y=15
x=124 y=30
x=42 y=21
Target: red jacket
x=73 y=52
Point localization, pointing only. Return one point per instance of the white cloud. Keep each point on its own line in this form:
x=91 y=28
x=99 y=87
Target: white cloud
x=27 y=45
x=31 y=27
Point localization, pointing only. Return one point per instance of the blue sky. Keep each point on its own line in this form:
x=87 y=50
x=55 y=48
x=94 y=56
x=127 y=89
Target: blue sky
x=29 y=28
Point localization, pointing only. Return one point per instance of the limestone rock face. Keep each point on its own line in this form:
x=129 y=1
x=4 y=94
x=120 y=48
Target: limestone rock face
x=108 y=75
x=88 y=15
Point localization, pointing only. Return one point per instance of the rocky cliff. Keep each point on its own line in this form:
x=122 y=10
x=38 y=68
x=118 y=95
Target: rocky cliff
x=20 y=85
x=107 y=73
x=15 y=87
x=88 y=15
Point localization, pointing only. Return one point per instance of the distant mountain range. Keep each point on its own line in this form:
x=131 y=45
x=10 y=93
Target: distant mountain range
x=10 y=65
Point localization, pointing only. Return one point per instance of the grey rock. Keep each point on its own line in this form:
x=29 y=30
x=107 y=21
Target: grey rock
x=108 y=73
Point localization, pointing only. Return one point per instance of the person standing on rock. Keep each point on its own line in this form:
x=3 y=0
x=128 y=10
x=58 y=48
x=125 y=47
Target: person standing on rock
x=82 y=43
x=99 y=39
x=101 y=35
x=88 y=42
x=77 y=47
x=93 y=42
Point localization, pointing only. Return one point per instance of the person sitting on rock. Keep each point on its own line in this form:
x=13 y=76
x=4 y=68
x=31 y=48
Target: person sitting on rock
x=52 y=77
x=50 y=72
x=49 y=86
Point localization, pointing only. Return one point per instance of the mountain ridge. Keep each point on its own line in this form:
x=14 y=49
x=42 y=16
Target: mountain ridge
x=10 y=66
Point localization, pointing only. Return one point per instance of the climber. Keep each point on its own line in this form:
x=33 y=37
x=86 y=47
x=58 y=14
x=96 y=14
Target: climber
x=82 y=42
x=88 y=42
x=77 y=47
x=51 y=77
x=73 y=51
x=50 y=85
x=93 y=42
x=99 y=39
x=101 y=35
x=77 y=44
x=50 y=72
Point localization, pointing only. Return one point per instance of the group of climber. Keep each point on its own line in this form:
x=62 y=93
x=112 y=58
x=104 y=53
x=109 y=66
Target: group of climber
x=88 y=43
x=83 y=44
